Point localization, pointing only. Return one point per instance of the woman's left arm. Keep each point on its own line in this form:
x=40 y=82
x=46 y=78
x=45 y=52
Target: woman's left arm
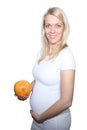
x=67 y=88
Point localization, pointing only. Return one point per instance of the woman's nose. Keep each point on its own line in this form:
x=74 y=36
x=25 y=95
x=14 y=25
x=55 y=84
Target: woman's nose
x=52 y=29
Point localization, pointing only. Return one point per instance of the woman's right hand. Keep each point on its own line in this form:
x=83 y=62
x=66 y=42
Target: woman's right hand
x=22 y=98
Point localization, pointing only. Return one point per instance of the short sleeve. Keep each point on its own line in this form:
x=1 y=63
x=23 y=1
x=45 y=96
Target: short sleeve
x=67 y=60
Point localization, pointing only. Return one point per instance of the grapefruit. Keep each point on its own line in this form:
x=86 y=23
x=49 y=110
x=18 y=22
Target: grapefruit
x=22 y=88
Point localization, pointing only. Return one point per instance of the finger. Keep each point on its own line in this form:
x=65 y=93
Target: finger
x=21 y=98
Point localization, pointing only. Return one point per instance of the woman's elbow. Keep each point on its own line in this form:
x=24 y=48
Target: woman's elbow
x=68 y=103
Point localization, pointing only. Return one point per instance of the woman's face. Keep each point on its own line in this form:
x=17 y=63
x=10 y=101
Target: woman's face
x=53 y=29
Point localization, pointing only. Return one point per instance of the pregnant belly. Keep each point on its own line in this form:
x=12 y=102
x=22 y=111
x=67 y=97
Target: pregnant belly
x=42 y=98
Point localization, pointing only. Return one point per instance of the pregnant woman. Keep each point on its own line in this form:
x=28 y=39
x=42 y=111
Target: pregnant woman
x=54 y=74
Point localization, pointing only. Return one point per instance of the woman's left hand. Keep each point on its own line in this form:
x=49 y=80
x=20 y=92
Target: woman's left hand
x=36 y=116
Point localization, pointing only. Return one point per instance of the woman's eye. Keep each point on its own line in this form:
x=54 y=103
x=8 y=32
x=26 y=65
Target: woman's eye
x=47 y=26
x=58 y=26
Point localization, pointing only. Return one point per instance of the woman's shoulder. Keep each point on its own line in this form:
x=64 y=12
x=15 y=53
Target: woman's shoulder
x=66 y=52
x=38 y=54
x=67 y=58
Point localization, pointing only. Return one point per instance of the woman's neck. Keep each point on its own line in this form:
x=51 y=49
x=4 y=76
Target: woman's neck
x=52 y=48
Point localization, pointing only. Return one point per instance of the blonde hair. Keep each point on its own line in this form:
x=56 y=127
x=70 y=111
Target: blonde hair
x=59 y=13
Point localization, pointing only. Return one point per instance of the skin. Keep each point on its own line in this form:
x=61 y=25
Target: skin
x=54 y=31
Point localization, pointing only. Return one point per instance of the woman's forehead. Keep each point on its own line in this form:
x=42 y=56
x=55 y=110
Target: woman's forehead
x=52 y=19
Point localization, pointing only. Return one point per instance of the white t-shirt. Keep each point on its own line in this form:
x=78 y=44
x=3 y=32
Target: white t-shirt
x=47 y=75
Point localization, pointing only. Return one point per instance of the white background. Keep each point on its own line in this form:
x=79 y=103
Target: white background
x=20 y=31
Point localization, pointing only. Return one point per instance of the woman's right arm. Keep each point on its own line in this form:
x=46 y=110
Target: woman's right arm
x=32 y=84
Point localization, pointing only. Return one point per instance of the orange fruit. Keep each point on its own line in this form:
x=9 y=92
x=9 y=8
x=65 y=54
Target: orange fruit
x=22 y=88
